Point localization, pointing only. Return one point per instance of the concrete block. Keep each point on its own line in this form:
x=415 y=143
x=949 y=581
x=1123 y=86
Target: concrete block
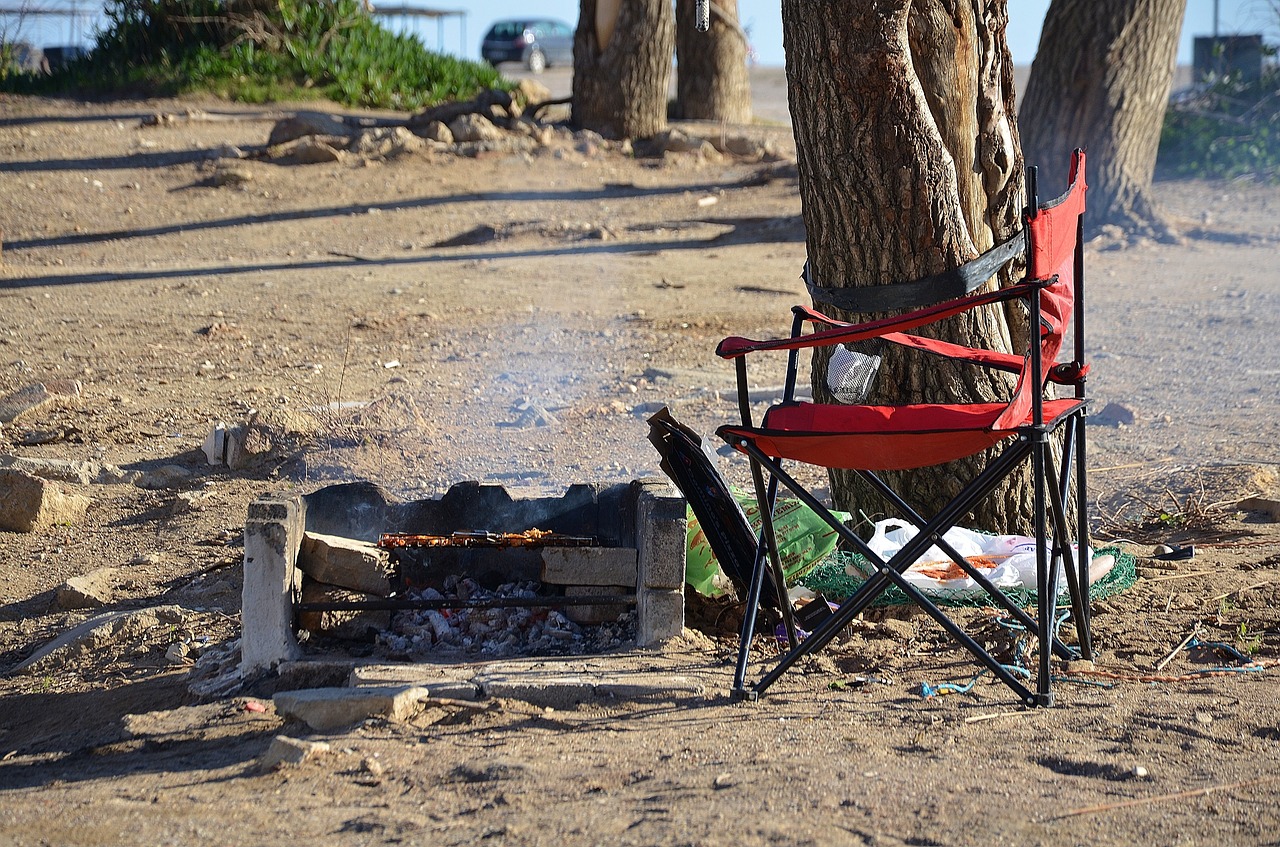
x=589 y=566
x=353 y=625
x=659 y=615
x=30 y=504
x=347 y=563
x=271 y=582
x=328 y=709
x=447 y=682
x=660 y=538
x=556 y=691
x=590 y=615
x=569 y=684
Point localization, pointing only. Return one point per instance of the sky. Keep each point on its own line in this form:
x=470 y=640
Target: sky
x=763 y=18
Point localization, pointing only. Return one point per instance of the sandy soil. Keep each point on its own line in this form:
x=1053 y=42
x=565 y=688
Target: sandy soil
x=179 y=299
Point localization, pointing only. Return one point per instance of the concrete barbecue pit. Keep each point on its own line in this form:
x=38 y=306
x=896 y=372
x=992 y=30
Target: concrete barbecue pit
x=606 y=557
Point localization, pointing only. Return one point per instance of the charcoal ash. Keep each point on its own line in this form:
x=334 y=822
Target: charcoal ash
x=498 y=631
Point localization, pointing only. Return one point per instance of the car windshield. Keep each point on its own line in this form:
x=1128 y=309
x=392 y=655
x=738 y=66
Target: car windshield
x=507 y=29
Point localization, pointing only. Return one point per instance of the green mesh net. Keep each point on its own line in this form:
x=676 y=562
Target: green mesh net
x=832 y=578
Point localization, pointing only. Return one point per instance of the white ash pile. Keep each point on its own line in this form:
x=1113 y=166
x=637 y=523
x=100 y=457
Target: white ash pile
x=498 y=631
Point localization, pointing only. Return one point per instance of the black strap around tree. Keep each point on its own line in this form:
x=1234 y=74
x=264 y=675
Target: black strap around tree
x=949 y=285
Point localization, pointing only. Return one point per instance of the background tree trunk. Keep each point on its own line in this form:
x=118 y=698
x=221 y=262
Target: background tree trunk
x=711 y=67
x=909 y=165
x=622 y=67
x=1101 y=80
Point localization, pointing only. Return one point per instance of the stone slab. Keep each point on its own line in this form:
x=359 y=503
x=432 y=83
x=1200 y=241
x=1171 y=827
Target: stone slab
x=328 y=709
x=346 y=562
x=567 y=690
x=557 y=683
x=589 y=566
x=447 y=687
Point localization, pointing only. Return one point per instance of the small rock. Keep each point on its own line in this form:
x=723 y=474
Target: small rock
x=1267 y=506
x=291 y=751
x=438 y=131
x=165 y=476
x=1114 y=414
x=306 y=124
x=190 y=501
x=474 y=127
x=372 y=766
x=29 y=504
x=1204 y=718
x=177 y=654
x=533 y=415
x=87 y=591
x=530 y=91
x=1139 y=772
x=387 y=143
x=313 y=151
x=37 y=397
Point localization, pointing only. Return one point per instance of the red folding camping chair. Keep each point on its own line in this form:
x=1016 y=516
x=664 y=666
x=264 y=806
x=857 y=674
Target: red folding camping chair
x=868 y=438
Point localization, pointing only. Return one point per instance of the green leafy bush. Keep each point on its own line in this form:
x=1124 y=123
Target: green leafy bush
x=258 y=51
x=1227 y=129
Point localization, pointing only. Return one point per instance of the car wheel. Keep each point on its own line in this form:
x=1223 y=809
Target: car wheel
x=537 y=61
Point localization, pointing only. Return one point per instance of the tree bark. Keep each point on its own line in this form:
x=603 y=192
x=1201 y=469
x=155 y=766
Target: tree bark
x=622 y=67
x=1101 y=80
x=711 y=67
x=909 y=165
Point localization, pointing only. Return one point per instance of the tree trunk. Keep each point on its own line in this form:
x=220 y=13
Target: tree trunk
x=1101 y=80
x=909 y=165
x=711 y=73
x=622 y=67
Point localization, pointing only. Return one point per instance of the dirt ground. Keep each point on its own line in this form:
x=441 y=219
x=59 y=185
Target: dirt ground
x=182 y=290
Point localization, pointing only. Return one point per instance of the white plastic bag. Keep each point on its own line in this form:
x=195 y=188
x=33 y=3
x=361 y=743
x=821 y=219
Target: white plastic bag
x=1009 y=561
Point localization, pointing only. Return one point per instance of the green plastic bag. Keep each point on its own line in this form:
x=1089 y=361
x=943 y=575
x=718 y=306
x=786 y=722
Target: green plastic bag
x=804 y=539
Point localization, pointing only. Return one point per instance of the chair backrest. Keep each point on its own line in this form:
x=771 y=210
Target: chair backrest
x=1055 y=250
x=1054 y=253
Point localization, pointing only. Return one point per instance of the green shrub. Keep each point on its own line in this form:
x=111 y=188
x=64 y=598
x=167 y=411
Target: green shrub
x=256 y=52
x=1228 y=129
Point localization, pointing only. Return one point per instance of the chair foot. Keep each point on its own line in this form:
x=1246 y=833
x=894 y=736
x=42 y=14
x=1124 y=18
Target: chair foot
x=746 y=694
x=1045 y=700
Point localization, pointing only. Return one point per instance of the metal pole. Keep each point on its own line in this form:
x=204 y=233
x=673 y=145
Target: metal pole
x=1216 y=3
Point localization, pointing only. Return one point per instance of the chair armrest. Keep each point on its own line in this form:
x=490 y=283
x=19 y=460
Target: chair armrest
x=841 y=332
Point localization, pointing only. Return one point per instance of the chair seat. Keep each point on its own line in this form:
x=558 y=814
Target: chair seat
x=882 y=438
